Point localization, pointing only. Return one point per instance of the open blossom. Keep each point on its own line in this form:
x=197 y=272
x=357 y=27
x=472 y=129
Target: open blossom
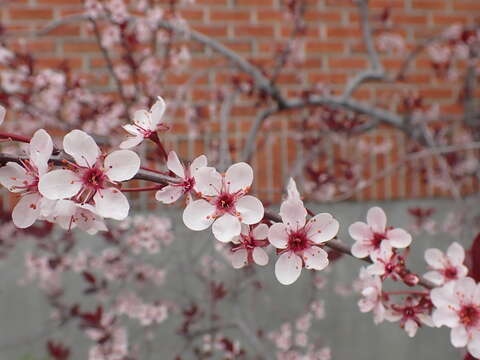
x=171 y=193
x=93 y=176
x=69 y=214
x=371 y=290
x=387 y=263
x=371 y=235
x=445 y=267
x=224 y=203
x=299 y=241
x=24 y=179
x=412 y=315
x=458 y=307
x=248 y=246
x=145 y=124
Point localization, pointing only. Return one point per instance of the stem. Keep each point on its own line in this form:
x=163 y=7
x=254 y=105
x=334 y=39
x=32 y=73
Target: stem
x=406 y=292
x=14 y=137
x=145 y=188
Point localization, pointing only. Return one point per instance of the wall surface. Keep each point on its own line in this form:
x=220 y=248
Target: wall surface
x=332 y=50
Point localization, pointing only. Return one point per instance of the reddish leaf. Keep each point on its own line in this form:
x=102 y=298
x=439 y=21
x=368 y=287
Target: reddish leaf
x=474 y=263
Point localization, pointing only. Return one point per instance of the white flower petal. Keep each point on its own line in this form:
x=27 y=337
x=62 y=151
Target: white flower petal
x=473 y=345
x=208 y=181
x=133 y=130
x=377 y=219
x=131 y=142
x=121 y=165
x=27 y=210
x=322 y=227
x=315 y=258
x=174 y=164
x=435 y=277
x=239 y=258
x=459 y=336
x=456 y=253
x=435 y=258
x=292 y=191
x=411 y=327
x=198 y=215
x=250 y=209
x=59 y=184
x=142 y=119
x=197 y=164
x=238 y=177
x=260 y=256
x=13 y=175
x=81 y=147
x=444 y=296
x=169 y=194
x=226 y=227
x=288 y=268
x=260 y=232
x=40 y=150
x=360 y=231
x=399 y=238
x=157 y=111
x=293 y=214
x=278 y=236
x=360 y=250
x=111 y=203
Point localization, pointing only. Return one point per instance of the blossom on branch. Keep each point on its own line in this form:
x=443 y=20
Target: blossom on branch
x=93 y=178
x=248 y=246
x=145 y=125
x=171 y=193
x=224 y=202
x=412 y=315
x=458 y=307
x=371 y=235
x=371 y=290
x=24 y=179
x=299 y=241
x=445 y=267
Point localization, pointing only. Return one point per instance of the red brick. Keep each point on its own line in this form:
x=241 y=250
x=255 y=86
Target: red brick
x=31 y=14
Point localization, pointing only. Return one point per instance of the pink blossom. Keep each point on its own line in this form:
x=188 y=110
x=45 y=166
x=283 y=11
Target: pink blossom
x=299 y=241
x=171 y=193
x=371 y=290
x=411 y=315
x=225 y=202
x=145 y=124
x=457 y=306
x=248 y=246
x=445 y=267
x=369 y=236
x=93 y=176
x=24 y=179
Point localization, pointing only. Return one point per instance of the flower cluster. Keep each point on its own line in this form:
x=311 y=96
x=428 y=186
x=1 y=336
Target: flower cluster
x=81 y=194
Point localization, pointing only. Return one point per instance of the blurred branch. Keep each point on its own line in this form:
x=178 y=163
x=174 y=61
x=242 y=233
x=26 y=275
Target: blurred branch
x=411 y=157
x=376 y=71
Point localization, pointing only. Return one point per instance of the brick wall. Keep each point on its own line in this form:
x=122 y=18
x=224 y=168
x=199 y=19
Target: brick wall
x=333 y=53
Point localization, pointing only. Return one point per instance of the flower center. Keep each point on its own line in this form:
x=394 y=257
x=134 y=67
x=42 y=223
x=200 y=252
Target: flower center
x=188 y=184
x=377 y=239
x=451 y=273
x=94 y=178
x=298 y=241
x=469 y=315
x=225 y=202
x=409 y=311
